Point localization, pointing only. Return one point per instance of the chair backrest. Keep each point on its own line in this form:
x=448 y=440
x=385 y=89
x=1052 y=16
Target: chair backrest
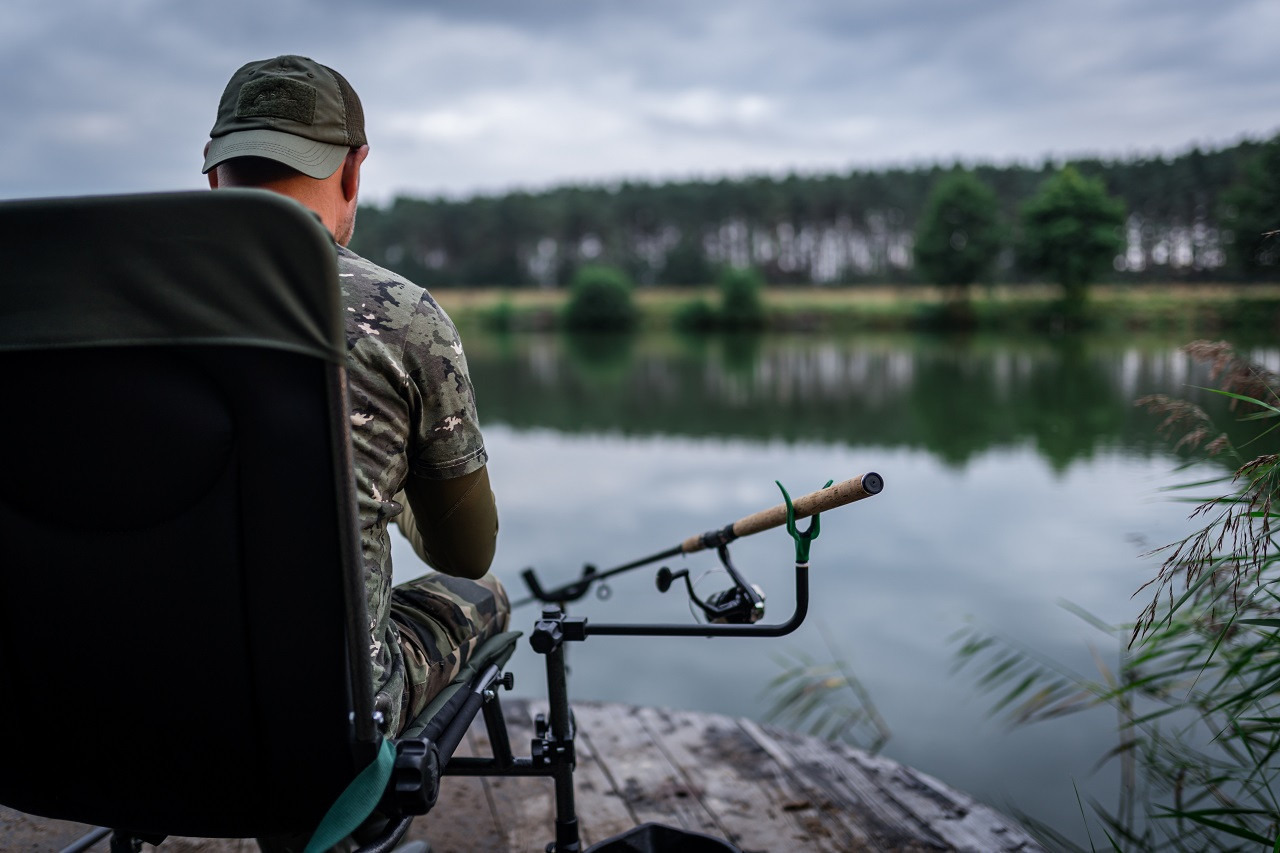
x=183 y=637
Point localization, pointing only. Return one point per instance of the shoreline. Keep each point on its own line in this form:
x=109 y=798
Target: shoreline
x=1199 y=309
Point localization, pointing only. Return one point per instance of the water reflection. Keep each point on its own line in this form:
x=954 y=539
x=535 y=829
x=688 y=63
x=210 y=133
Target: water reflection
x=956 y=398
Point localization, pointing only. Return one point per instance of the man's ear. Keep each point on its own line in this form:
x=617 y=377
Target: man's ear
x=351 y=171
x=212 y=173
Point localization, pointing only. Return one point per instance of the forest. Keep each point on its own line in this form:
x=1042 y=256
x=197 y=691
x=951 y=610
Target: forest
x=1195 y=216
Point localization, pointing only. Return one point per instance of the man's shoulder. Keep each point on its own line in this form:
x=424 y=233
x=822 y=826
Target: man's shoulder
x=357 y=273
x=385 y=305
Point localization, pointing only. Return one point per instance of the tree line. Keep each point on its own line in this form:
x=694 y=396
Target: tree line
x=1200 y=215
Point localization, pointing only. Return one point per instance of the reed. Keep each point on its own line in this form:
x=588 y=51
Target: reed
x=824 y=699
x=1197 y=686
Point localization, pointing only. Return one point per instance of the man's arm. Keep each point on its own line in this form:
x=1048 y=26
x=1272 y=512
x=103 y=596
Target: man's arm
x=451 y=524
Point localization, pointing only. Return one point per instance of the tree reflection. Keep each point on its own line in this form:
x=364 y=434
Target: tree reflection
x=1070 y=398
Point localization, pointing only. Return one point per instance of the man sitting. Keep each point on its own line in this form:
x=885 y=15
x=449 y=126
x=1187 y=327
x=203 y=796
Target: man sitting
x=293 y=126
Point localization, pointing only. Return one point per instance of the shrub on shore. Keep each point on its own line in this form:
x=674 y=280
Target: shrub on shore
x=600 y=300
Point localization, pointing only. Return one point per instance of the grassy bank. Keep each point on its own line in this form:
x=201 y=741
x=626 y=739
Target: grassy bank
x=1198 y=309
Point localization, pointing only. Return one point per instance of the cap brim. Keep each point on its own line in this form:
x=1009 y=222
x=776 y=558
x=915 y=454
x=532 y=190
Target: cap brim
x=315 y=159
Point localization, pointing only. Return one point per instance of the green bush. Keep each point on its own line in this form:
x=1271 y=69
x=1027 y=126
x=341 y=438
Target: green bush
x=501 y=317
x=741 y=304
x=600 y=301
x=696 y=316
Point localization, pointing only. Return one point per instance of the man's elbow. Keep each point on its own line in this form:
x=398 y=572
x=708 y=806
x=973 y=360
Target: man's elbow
x=456 y=524
x=471 y=560
x=469 y=568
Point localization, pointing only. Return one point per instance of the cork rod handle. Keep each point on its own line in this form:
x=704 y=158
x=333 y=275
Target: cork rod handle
x=839 y=494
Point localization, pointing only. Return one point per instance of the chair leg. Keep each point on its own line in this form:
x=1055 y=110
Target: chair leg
x=495 y=724
x=125 y=842
x=87 y=841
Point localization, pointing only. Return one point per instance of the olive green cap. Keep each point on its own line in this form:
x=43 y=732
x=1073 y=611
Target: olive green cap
x=290 y=109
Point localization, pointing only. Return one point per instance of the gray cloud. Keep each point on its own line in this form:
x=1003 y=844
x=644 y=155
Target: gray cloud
x=465 y=96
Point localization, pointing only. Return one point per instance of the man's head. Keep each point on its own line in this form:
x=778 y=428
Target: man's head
x=295 y=126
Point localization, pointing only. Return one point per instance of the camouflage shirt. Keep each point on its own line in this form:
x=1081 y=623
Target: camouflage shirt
x=412 y=413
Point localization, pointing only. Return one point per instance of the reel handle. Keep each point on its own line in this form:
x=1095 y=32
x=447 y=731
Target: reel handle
x=853 y=489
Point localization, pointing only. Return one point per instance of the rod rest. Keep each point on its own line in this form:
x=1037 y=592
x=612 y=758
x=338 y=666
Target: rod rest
x=555 y=628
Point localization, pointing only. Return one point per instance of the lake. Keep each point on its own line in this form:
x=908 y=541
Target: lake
x=1019 y=475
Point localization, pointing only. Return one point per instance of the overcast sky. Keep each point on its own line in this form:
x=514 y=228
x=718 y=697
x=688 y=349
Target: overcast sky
x=474 y=96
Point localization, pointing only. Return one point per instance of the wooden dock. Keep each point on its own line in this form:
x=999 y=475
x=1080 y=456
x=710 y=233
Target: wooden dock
x=762 y=788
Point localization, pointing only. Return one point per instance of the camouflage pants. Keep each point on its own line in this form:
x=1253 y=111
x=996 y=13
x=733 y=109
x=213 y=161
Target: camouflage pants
x=441 y=621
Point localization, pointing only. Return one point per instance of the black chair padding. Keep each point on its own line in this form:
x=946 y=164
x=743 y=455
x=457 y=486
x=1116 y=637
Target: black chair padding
x=173 y=655
x=233 y=267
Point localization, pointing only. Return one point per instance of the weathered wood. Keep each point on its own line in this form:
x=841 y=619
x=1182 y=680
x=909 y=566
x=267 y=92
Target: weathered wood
x=816 y=809
x=962 y=822
x=655 y=789
x=900 y=806
x=755 y=813
x=602 y=811
x=20 y=831
x=760 y=787
x=463 y=818
x=845 y=792
x=524 y=807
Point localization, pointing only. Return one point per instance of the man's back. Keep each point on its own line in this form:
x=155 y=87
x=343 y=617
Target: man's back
x=295 y=127
x=413 y=414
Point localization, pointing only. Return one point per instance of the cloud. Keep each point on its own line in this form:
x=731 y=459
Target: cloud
x=463 y=97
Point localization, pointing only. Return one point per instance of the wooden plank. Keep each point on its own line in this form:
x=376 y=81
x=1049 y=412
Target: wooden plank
x=21 y=831
x=463 y=818
x=822 y=815
x=523 y=807
x=652 y=787
x=732 y=772
x=182 y=844
x=863 y=807
x=760 y=787
x=961 y=821
x=602 y=810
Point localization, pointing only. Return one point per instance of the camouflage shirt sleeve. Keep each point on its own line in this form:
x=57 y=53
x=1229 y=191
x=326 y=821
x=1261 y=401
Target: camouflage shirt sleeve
x=446 y=440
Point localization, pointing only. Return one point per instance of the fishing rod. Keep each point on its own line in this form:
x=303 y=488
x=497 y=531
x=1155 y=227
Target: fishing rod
x=743 y=603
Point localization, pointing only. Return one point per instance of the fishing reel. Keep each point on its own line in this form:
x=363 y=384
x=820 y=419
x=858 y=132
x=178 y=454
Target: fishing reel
x=741 y=604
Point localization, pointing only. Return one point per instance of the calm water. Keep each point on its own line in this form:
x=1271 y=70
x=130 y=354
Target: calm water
x=1018 y=475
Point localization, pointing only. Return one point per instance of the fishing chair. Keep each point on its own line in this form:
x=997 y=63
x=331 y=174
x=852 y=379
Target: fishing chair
x=183 y=630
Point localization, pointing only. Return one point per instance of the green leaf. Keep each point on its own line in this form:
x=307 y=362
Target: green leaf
x=1229 y=829
x=1243 y=397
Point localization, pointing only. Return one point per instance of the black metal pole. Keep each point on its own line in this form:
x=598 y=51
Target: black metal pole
x=87 y=841
x=562 y=734
x=499 y=738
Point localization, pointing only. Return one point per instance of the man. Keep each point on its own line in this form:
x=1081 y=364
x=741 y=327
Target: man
x=296 y=127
